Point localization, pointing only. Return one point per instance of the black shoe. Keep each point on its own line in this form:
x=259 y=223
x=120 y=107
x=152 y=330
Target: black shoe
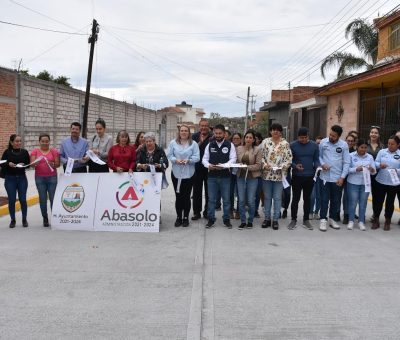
x=210 y=224
x=228 y=224
x=275 y=225
x=242 y=226
x=218 y=208
x=12 y=224
x=249 y=225
x=266 y=224
x=46 y=222
x=346 y=219
x=292 y=225
x=178 y=222
x=185 y=222
x=205 y=215
x=196 y=217
x=284 y=215
x=25 y=223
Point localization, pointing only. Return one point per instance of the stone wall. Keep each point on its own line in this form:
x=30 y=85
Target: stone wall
x=48 y=107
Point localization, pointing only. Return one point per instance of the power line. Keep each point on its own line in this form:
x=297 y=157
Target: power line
x=40 y=29
x=328 y=42
x=41 y=14
x=291 y=28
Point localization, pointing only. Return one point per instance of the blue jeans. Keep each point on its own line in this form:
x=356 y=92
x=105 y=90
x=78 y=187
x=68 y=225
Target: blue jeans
x=46 y=185
x=331 y=195
x=222 y=185
x=316 y=198
x=14 y=184
x=356 y=194
x=258 y=192
x=233 y=191
x=272 y=190
x=246 y=193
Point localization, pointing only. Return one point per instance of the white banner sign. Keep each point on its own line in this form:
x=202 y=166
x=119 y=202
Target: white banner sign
x=108 y=202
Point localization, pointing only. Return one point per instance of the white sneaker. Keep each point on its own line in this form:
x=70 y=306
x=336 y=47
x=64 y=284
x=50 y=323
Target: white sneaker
x=361 y=226
x=333 y=224
x=322 y=225
x=350 y=226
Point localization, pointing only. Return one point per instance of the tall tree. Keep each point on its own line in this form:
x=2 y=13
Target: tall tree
x=365 y=38
x=62 y=80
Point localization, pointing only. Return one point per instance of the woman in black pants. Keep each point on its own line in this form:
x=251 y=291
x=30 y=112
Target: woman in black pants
x=15 y=180
x=183 y=153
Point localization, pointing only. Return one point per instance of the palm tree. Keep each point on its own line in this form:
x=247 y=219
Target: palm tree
x=365 y=37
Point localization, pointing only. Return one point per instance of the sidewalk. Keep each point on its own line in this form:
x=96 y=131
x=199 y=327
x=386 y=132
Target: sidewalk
x=193 y=283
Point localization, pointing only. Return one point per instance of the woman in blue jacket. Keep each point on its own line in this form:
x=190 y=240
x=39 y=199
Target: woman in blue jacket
x=183 y=153
x=388 y=163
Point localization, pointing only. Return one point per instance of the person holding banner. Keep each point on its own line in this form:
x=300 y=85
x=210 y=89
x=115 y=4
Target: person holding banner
x=122 y=156
x=276 y=160
x=183 y=153
x=15 y=180
x=151 y=158
x=247 y=178
x=45 y=173
x=73 y=151
x=100 y=145
x=387 y=181
x=362 y=166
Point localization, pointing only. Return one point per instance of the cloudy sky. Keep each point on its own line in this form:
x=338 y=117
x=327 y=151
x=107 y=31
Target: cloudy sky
x=159 y=53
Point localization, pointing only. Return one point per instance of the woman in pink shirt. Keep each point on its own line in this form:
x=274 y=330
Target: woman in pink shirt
x=45 y=173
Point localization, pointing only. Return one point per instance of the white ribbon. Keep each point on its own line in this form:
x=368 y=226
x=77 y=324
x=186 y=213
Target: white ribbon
x=317 y=170
x=394 y=177
x=94 y=157
x=3 y=161
x=285 y=182
x=178 y=186
x=37 y=160
x=69 y=167
x=367 y=179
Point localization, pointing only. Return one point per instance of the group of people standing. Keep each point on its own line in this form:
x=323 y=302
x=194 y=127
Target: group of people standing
x=123 y=156
x=324 y=172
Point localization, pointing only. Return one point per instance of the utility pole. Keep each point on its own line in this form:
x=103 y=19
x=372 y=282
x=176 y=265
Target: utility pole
x=252 y=106
x=92 y=41
x=247 y=109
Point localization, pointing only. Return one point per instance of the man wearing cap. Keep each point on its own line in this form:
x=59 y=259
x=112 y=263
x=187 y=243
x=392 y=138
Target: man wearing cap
x=305 y=160
x=334 y=158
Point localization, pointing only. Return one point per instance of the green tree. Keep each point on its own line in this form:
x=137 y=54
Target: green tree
x=62 y=80
x=365 y=37
x=45 y=75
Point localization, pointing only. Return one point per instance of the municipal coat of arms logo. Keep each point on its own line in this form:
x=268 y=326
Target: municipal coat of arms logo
x=73 y=197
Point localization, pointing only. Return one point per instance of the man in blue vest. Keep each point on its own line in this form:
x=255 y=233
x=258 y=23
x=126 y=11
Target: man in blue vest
x=218 y=153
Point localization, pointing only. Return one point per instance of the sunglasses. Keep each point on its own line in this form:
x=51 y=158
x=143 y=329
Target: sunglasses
x=375 y=127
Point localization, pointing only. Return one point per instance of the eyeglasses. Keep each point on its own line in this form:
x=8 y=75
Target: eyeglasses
x=375 y=127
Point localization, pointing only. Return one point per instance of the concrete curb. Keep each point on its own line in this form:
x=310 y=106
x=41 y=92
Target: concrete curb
x=30 y=201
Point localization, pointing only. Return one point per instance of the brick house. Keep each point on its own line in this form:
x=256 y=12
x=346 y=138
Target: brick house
x=371 y=97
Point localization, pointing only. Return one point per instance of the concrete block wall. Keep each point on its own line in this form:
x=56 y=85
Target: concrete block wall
x=51 y=108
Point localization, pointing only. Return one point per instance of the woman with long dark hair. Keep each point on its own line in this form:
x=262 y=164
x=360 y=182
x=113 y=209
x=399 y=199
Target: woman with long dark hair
x=247 y=178
x=100 y=144
x=15 y=180
x=387 y=181
x=45 y=173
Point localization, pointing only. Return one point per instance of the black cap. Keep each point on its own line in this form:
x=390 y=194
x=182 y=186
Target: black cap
x=303 y=131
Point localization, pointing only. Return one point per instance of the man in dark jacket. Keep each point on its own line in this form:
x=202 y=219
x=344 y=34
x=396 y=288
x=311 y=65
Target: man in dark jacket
x=202 y=138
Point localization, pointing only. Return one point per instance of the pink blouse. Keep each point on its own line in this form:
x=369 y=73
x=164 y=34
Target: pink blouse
x=42 y=169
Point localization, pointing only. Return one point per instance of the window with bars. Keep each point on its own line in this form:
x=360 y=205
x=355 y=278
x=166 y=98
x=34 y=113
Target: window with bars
x=394 y=38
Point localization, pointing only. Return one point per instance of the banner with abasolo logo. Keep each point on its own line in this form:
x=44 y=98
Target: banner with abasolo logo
x=108 y=202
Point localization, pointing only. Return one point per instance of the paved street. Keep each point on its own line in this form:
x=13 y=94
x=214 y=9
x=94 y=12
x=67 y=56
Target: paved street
x=192 y=283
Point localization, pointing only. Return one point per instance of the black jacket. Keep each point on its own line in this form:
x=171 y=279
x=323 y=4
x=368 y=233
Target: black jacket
x=158 y=157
